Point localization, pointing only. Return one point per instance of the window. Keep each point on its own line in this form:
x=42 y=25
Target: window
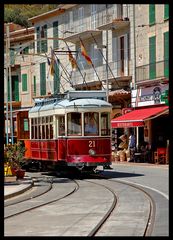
x=74 y=126
x=55 y=35
x=41 y=32
x=166 y=54
x=42 y=79
x=25 y=124
x=105 y=124
x=151 y=14
x=80 y=18
x=166 y=11
x=24 y=82
x=91 y=123
x=43 y=128
x=95 y=55
x=61 y=125
x=26 y=50
x=34 y=128
x=34 y=86
x=81 y=60
x=56 y=78
x=38 y=39
x=93 y=15
x=44 y=35
x=51 y=127
x=152 y=57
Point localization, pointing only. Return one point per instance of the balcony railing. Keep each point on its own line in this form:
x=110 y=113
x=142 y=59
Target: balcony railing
x=93 y=22
x=114 y=70
x=152 y=71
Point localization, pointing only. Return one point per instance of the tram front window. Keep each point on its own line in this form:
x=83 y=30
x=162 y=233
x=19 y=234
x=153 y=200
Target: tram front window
x=105 y=124
x=74 y=124
x=91 y=123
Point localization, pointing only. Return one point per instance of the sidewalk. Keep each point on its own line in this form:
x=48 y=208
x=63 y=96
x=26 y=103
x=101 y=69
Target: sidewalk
x=12 y=189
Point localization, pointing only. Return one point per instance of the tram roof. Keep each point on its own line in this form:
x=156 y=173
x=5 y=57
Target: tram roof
x=66 y=103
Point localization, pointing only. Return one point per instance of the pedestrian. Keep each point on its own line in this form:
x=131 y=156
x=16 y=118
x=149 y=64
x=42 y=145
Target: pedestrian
x=132 y=145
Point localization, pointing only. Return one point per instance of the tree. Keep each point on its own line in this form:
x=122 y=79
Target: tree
x=19 y=13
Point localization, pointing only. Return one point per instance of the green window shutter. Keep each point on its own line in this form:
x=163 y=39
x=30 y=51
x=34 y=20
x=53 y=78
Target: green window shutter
x=55 y=35
x=12 y=57
x=15 y=88
x=42 y=79
x=166 y=54
x=56 y=79
x=152 y=57
x=34 y=86
x=151 y=14
x=166 y=11
x=26 y=50
x=24 y=82
x=38 y=39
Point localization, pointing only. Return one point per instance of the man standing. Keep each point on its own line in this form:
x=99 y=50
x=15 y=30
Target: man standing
x=132 y=145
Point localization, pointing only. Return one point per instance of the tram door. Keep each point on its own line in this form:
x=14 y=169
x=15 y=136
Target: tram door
x=62 y=142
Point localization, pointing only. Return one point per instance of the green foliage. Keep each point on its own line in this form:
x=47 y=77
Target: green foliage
x=14 y=154
x=19 y=13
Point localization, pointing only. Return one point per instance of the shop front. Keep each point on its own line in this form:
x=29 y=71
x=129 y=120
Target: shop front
x=148 y=124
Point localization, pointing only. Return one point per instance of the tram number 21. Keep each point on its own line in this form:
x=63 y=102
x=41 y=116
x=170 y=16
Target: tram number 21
x=92 y=144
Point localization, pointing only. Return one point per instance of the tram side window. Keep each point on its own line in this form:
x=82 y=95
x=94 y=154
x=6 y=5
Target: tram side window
x=33 y=128
x=74 y=126
x=91 y=123
x=61 y=124
x=39 y=129
x=47 y=128
x=51 y=127
x=36 y=128
x=43 y=128
x=105 y=124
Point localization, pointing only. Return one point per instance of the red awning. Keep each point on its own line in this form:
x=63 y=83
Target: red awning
x=137 y=117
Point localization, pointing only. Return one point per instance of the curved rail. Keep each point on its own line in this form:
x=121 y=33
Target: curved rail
x=152 y=212
x=46 y=203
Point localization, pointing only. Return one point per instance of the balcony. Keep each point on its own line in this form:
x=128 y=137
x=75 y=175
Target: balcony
x=115 y=74
x=105 y=20
x=148 y=73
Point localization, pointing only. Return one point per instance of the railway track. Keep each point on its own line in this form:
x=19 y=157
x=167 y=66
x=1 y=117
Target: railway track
x=112 y=210
x=149 y=222
x=34 y=204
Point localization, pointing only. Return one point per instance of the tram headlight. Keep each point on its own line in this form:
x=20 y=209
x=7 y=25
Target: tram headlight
x=92 y=152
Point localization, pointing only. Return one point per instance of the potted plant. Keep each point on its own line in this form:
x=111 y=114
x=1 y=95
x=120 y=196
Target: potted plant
x=14 y=154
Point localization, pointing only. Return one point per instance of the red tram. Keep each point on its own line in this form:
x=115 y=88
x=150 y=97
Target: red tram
x=71 y=131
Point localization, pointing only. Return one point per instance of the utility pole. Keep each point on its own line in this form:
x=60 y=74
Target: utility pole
x=10 y=83
x=107 y=84
x=7 y=64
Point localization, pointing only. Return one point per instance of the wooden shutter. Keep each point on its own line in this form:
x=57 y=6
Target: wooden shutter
x=152 y=57
x=24 y=82
x=34 y=83
x=42 y=79
x=166 y=11
x=38 y=39
x=56 y=79
x=16 y=88
x=55 y=34
x=44 y=35
x=151 y=14
x=166 y=54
